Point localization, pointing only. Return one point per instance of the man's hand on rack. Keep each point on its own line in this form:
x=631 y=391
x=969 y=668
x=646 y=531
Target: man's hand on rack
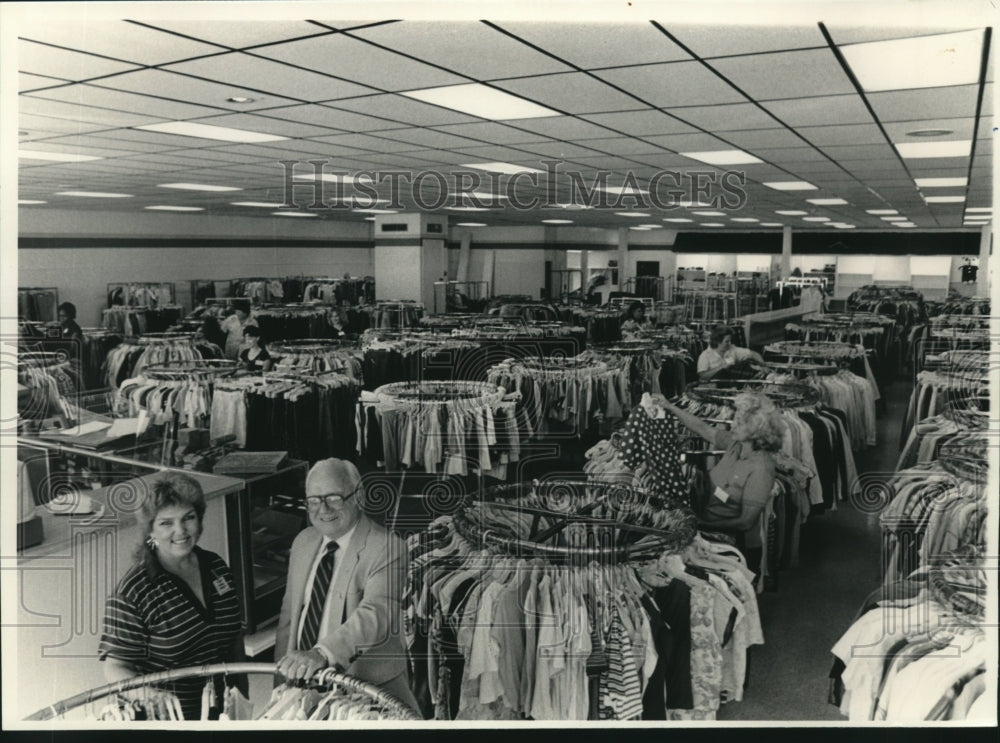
x=301 y=664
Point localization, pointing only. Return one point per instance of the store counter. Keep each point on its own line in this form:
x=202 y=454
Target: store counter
x=762 y=328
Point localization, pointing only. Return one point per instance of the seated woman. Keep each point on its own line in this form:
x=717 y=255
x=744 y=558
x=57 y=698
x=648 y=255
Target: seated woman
x=177 y=606
x=744 y=478
x=635 y=321
x=254 y=357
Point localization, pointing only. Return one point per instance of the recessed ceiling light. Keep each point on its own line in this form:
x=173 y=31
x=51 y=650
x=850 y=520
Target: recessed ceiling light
x=557 y=221
x=771 y=224
x=59 y=157
x=985 y=209
x=712 y=224
x=944 y=199
x=790 y=213
x=652 y=226
x=240 y=99
x=31 y=201
x=791 y=186
x=918 y=62
x=377 y=211
x=197 y=187
x=261 y=204
x=631 y=214
x=676 y=219
x=743 y=219
x=827 y=202
x=904 y=224
x=881 y=211
x=167 y=208
x=710 y=214
x=723 y=157
x=508 y=168
x=482 y=101
x=897 y=218
x=95 y=194
x=843 y=226
x=205 y=131
x=929 y=132
x=471 y=224
x=951 y=148
x=467 y=208
x=815 y=219
x=941 y=182
x=293 y=214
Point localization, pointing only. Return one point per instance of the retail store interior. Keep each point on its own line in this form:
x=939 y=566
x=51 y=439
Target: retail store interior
x=497 y=267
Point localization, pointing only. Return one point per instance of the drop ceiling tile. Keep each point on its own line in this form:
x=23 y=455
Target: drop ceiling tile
x=400 y=160
x=33 y=105
x=175 y=141
x=753 y=139
x=40 y=127
x=929 y=171
x=624 y=146
x=241 y=34
x=41 y=59
x=858 y=152
x=265 y=125
x=985 y=131
x=814 y=72
x=104 y=140
x=428 y=138
x=575 y=93
x=594 y=45
x=52 y=146
x=494 y=132
x=697 y=142
x=332 y=118
x=363 y=63
x=365 y=142
x=922 y=103
x=820 y=111
x=190 y=89
x=406 y=111
x=308 y=149
x=468 y=48
x=521 y=154
x=731 y=116
x=82 y=94
x=641 y=123
x=716 y=41
x=673 y=84
x=222 y=154
x=843 y=34
x=564 y=127
x=27 y=83
x=961 y=128
x=843 y=134
x=257 y=73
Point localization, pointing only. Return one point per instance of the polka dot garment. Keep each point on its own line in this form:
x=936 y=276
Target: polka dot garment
x=655 y=443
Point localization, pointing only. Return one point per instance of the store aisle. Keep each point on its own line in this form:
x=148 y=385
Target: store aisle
x=817 y=601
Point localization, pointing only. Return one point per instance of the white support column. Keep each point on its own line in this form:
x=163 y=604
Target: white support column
x=983 y=276
x=786 y=252
x=622 y=257
x=464 y=253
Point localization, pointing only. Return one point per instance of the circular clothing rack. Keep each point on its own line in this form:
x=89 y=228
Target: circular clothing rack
x=782 y=394
x=439 y=392
x=329 y=679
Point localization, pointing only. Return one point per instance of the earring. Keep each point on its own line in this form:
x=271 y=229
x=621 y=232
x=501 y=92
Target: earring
x=151 y=544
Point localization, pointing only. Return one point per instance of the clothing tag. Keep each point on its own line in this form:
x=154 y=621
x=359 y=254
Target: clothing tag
x=222 y=586
x=721 y=494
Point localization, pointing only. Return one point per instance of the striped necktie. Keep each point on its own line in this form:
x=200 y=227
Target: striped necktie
x=320 y=587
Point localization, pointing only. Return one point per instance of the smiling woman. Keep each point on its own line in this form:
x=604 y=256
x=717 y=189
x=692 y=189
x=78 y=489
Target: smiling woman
x=177 y=606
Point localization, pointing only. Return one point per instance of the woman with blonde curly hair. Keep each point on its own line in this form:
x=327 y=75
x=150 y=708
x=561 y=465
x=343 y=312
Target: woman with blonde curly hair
x=743 y=480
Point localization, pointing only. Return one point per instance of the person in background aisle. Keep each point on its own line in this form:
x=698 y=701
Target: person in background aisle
x=743 y=480
x=635 y=320
x=211 y=330
x=68 y=328
x=234 y=325
x=342 y=604
x=177 y=606
x=721 y=355
x=254 y=357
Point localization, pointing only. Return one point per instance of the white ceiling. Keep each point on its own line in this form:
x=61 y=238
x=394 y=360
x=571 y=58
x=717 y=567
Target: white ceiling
x=627 y=98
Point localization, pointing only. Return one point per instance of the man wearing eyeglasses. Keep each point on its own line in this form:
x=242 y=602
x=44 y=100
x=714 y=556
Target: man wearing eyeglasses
x=345 y=578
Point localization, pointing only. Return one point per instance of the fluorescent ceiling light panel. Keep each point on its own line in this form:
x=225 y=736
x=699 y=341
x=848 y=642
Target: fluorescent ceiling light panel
x=197 y=187
x=984 y=209
x=482 y=101
x=31 y=201
x=261 y=204
x=941 y=182
x=921 y=62
x=377 y=211
x=712 y=224
x=631 y=214
x=574 y=207
x=688 y=204
x=467 y=208
x=292 y=214
x=471 y=224
x=917 y=150
x=328 y=177
x=791 y=186
x=791 y=213
x=898 y=218
x=881 y=211
x=481 y=195
x=771 y=224
x=652 y=226
x=623 y=190
x=676 y=219
x=557 y=221
x=905 y=224
x=167 y=208
x=815 y=219
x=95 y=194
x=710 y=214
x=840 y=226
x=639 y=228
x=59 y=157
x=744 y=219
x=827 y=202
x=205 y=131
x=944 y=199
x=508 y=168
x=723 y=157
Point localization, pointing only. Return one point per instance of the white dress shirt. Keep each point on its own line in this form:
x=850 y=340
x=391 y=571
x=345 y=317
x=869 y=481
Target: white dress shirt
x=342 y=543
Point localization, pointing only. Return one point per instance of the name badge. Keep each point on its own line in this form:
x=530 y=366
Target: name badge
x=222 y=586
x=721 y=494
